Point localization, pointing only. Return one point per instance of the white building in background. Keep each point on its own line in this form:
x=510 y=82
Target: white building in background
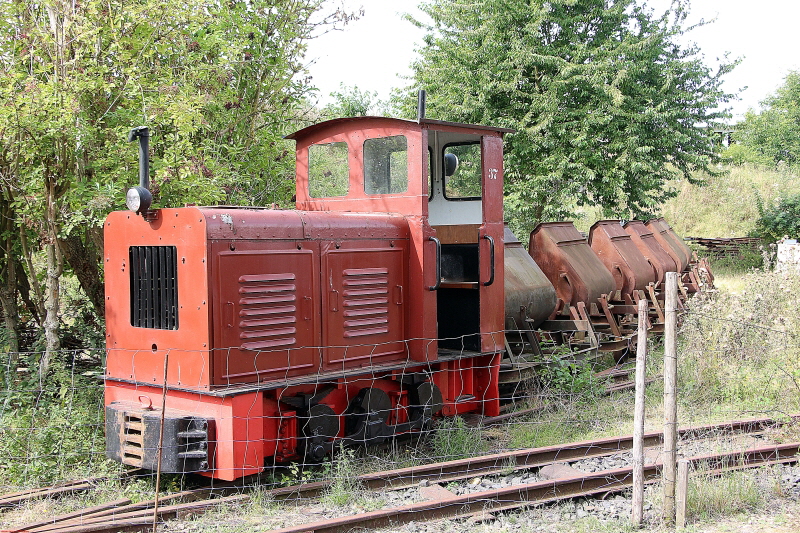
x=788 y=255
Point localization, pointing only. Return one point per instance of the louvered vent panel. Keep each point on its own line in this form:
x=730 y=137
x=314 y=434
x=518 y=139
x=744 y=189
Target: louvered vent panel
x=133 y=440
x=154 y=286
x=366 y=302
x=267 y=311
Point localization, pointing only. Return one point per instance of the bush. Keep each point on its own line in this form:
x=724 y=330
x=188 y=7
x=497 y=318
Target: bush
x=739 y=155
x=51 y=430
x=747 y=260
x=568 y=379
x=780 y=219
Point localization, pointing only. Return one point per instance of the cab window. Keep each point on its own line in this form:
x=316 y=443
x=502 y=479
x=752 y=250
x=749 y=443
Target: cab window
x=328 y=170
x=465 y=182
x=386 y=165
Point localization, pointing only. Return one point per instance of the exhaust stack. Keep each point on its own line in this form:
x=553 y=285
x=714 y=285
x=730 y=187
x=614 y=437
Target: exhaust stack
x=139 y=199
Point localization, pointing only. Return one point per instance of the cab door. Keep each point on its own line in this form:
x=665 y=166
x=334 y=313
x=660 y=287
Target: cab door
x=490 y=246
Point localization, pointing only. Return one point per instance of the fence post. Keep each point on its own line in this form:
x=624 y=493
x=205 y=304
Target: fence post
x=160 y=442
x=638 y=418
x=670 y=397
x=681 y=489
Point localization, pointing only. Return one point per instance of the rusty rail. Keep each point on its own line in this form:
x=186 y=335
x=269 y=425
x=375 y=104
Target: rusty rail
x=122 y=515
x=537 y=457
x=128 y=517
x=79 y=485
x=460 y=469
x=607 y=481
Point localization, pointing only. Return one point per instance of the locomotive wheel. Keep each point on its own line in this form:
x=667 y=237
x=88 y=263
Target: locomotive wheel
x=426 y=401
x=367 y=416
x=319 y=428
x=430 y=396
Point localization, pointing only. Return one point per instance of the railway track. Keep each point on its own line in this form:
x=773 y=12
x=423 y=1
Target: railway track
x=514 y=497
x=124 y=515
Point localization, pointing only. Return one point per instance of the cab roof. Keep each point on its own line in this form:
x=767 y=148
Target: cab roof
x=396 y=122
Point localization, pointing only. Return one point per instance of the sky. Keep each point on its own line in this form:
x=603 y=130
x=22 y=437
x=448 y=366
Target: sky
x=372 y=53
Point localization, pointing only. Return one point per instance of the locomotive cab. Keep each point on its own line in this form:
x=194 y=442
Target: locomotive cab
x=447 y=179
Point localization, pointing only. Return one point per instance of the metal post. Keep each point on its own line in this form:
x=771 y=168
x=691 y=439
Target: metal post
x=638 y=418
x=160 y=442
x=670 y=396
x=421 y=105
x=681 y=490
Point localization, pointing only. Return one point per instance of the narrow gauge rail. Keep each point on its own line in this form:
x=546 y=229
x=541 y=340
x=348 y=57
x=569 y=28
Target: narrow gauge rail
x=516 y=496
x=68 y=487
x=484 y=465
x=123 y=515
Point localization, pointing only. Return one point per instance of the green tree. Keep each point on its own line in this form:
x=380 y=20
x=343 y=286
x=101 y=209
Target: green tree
x=774 y=132
x=351 y=102
x=217 y=83
x=779 y=219
x=606 y=102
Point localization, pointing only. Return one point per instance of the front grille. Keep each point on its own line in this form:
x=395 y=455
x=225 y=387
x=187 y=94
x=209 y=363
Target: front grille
x=154 y=287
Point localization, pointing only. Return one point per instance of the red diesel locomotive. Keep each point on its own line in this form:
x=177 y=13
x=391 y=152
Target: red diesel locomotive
x=271 y=334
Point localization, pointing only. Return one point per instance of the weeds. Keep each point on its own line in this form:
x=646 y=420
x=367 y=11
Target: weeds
x=574 y=379
x=453 y=439
x=748 y=259
x=739 y=350
x=345 y=488
x=261 y=500
x=712 y=497
x=53 y=439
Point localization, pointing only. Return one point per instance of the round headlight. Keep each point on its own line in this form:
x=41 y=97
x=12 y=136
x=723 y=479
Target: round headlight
x=138 y=199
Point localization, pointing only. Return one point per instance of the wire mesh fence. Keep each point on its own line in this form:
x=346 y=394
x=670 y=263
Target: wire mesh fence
x=738 y=358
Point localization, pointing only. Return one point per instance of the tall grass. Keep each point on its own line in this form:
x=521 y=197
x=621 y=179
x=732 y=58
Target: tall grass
x=713 y=497
x=739 y=349
x=727 y=206
x=454 y=439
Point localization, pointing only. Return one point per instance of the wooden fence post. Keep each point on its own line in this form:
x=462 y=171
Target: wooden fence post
x=638 y=418
x=670 y=396
x=681 y=489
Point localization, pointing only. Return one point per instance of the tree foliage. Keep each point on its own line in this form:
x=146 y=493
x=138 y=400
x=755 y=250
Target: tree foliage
x=781 y=219
x=772 y=135
x=606 y=102
x=218 y=83
x=352 y=102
